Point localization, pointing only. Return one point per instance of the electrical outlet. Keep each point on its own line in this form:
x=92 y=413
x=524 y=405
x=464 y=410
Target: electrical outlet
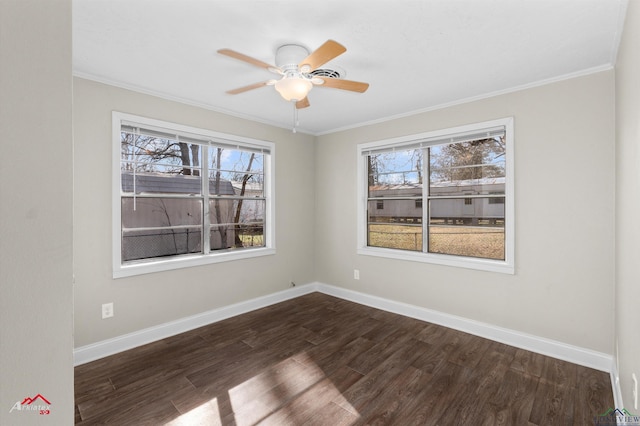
x=356 y=274
x=107 y=310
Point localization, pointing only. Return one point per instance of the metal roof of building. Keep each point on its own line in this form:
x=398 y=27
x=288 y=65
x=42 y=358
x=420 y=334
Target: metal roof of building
x=157 y=183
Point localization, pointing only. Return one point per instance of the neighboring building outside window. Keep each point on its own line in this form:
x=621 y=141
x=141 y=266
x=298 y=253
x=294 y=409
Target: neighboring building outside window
x=185 y=196
x=448 y=197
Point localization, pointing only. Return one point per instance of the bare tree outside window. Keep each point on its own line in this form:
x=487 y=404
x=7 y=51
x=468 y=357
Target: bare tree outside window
x=477 y=159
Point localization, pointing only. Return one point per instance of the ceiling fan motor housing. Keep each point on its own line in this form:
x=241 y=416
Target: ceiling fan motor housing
x=289 y=56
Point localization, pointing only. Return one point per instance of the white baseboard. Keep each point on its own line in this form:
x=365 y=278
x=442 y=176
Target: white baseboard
x=574 y=354
x=552 y=348
x=94 y=351
x=570 y=353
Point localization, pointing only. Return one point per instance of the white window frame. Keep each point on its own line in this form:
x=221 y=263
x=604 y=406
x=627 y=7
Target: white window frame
x=185 y=261
x=432 y=138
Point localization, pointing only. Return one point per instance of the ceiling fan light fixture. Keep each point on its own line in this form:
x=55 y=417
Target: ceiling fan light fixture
x=300 y=71
x=293 y=88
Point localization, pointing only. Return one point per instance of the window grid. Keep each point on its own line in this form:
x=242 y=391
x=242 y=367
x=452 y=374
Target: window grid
x=161 y=186
x=487 y=225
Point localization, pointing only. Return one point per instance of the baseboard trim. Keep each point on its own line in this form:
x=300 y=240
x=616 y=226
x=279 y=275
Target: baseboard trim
x=92 y=352
x=560 y=350
x=552 y=348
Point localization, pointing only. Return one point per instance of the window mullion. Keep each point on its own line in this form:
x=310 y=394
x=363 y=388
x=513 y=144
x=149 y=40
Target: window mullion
x=135 y=167
x=426 y=185
x=206 y=222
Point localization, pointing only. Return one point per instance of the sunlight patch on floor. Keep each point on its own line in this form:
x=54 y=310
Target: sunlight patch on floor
x=206 y=414
x=293 y=391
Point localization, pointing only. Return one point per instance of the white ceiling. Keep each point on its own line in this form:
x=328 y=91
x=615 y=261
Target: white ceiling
x=416 y=55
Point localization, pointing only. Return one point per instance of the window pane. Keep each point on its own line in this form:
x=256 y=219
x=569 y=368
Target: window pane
x=236 y=223
x=473 y=229
x=481 y=211
x=395 y=211
x=221 y=237
x=396 y=225
x=224 y=211
x=160 y=212
x=399 y=171
x=471 y=168
x=236 y=172
x=152 y=165
x=237 y=236
x=157 y=227
x=251 y=211
x=149 y=154
x=220 y=186
x=162 y=181
x=396 y=236
x=137 y=245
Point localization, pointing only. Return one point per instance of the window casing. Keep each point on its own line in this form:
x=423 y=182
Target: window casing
x=448 y=197
x=184 y=196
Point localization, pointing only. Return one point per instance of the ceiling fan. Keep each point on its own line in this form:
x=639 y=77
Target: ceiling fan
x=300 y=71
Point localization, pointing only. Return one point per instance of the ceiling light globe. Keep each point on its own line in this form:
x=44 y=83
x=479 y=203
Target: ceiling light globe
x=293 y=88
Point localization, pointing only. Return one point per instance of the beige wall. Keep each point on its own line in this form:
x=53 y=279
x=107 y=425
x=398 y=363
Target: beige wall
x=562 y=288
x=36 y=296
x=628 y=204
x=153 y=299
x=564 y=159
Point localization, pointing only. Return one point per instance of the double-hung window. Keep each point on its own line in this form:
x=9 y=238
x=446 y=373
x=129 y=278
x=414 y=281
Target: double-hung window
x=443 y=197
x=185 y=196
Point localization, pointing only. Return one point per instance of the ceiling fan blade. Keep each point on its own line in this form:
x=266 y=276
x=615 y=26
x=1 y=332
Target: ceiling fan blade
x=247 y=88
x=329 y=50
x=303 y=103
x=248 y=59
x=337 y=83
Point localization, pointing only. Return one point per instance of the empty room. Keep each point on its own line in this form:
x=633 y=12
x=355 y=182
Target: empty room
x=285 y=213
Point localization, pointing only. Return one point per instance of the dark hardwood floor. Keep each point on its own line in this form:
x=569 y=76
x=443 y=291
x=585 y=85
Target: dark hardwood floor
x=326 y=361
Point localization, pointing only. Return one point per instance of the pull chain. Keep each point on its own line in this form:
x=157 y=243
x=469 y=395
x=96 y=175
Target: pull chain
x=295 y=117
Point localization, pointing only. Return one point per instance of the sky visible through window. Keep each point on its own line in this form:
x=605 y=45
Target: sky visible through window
x=460 y=161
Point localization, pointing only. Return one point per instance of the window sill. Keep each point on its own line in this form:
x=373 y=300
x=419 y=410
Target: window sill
x=441 y=259
x=132 y=269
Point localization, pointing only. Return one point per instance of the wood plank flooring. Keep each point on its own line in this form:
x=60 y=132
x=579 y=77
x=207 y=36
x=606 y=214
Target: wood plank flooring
x=320 y=360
